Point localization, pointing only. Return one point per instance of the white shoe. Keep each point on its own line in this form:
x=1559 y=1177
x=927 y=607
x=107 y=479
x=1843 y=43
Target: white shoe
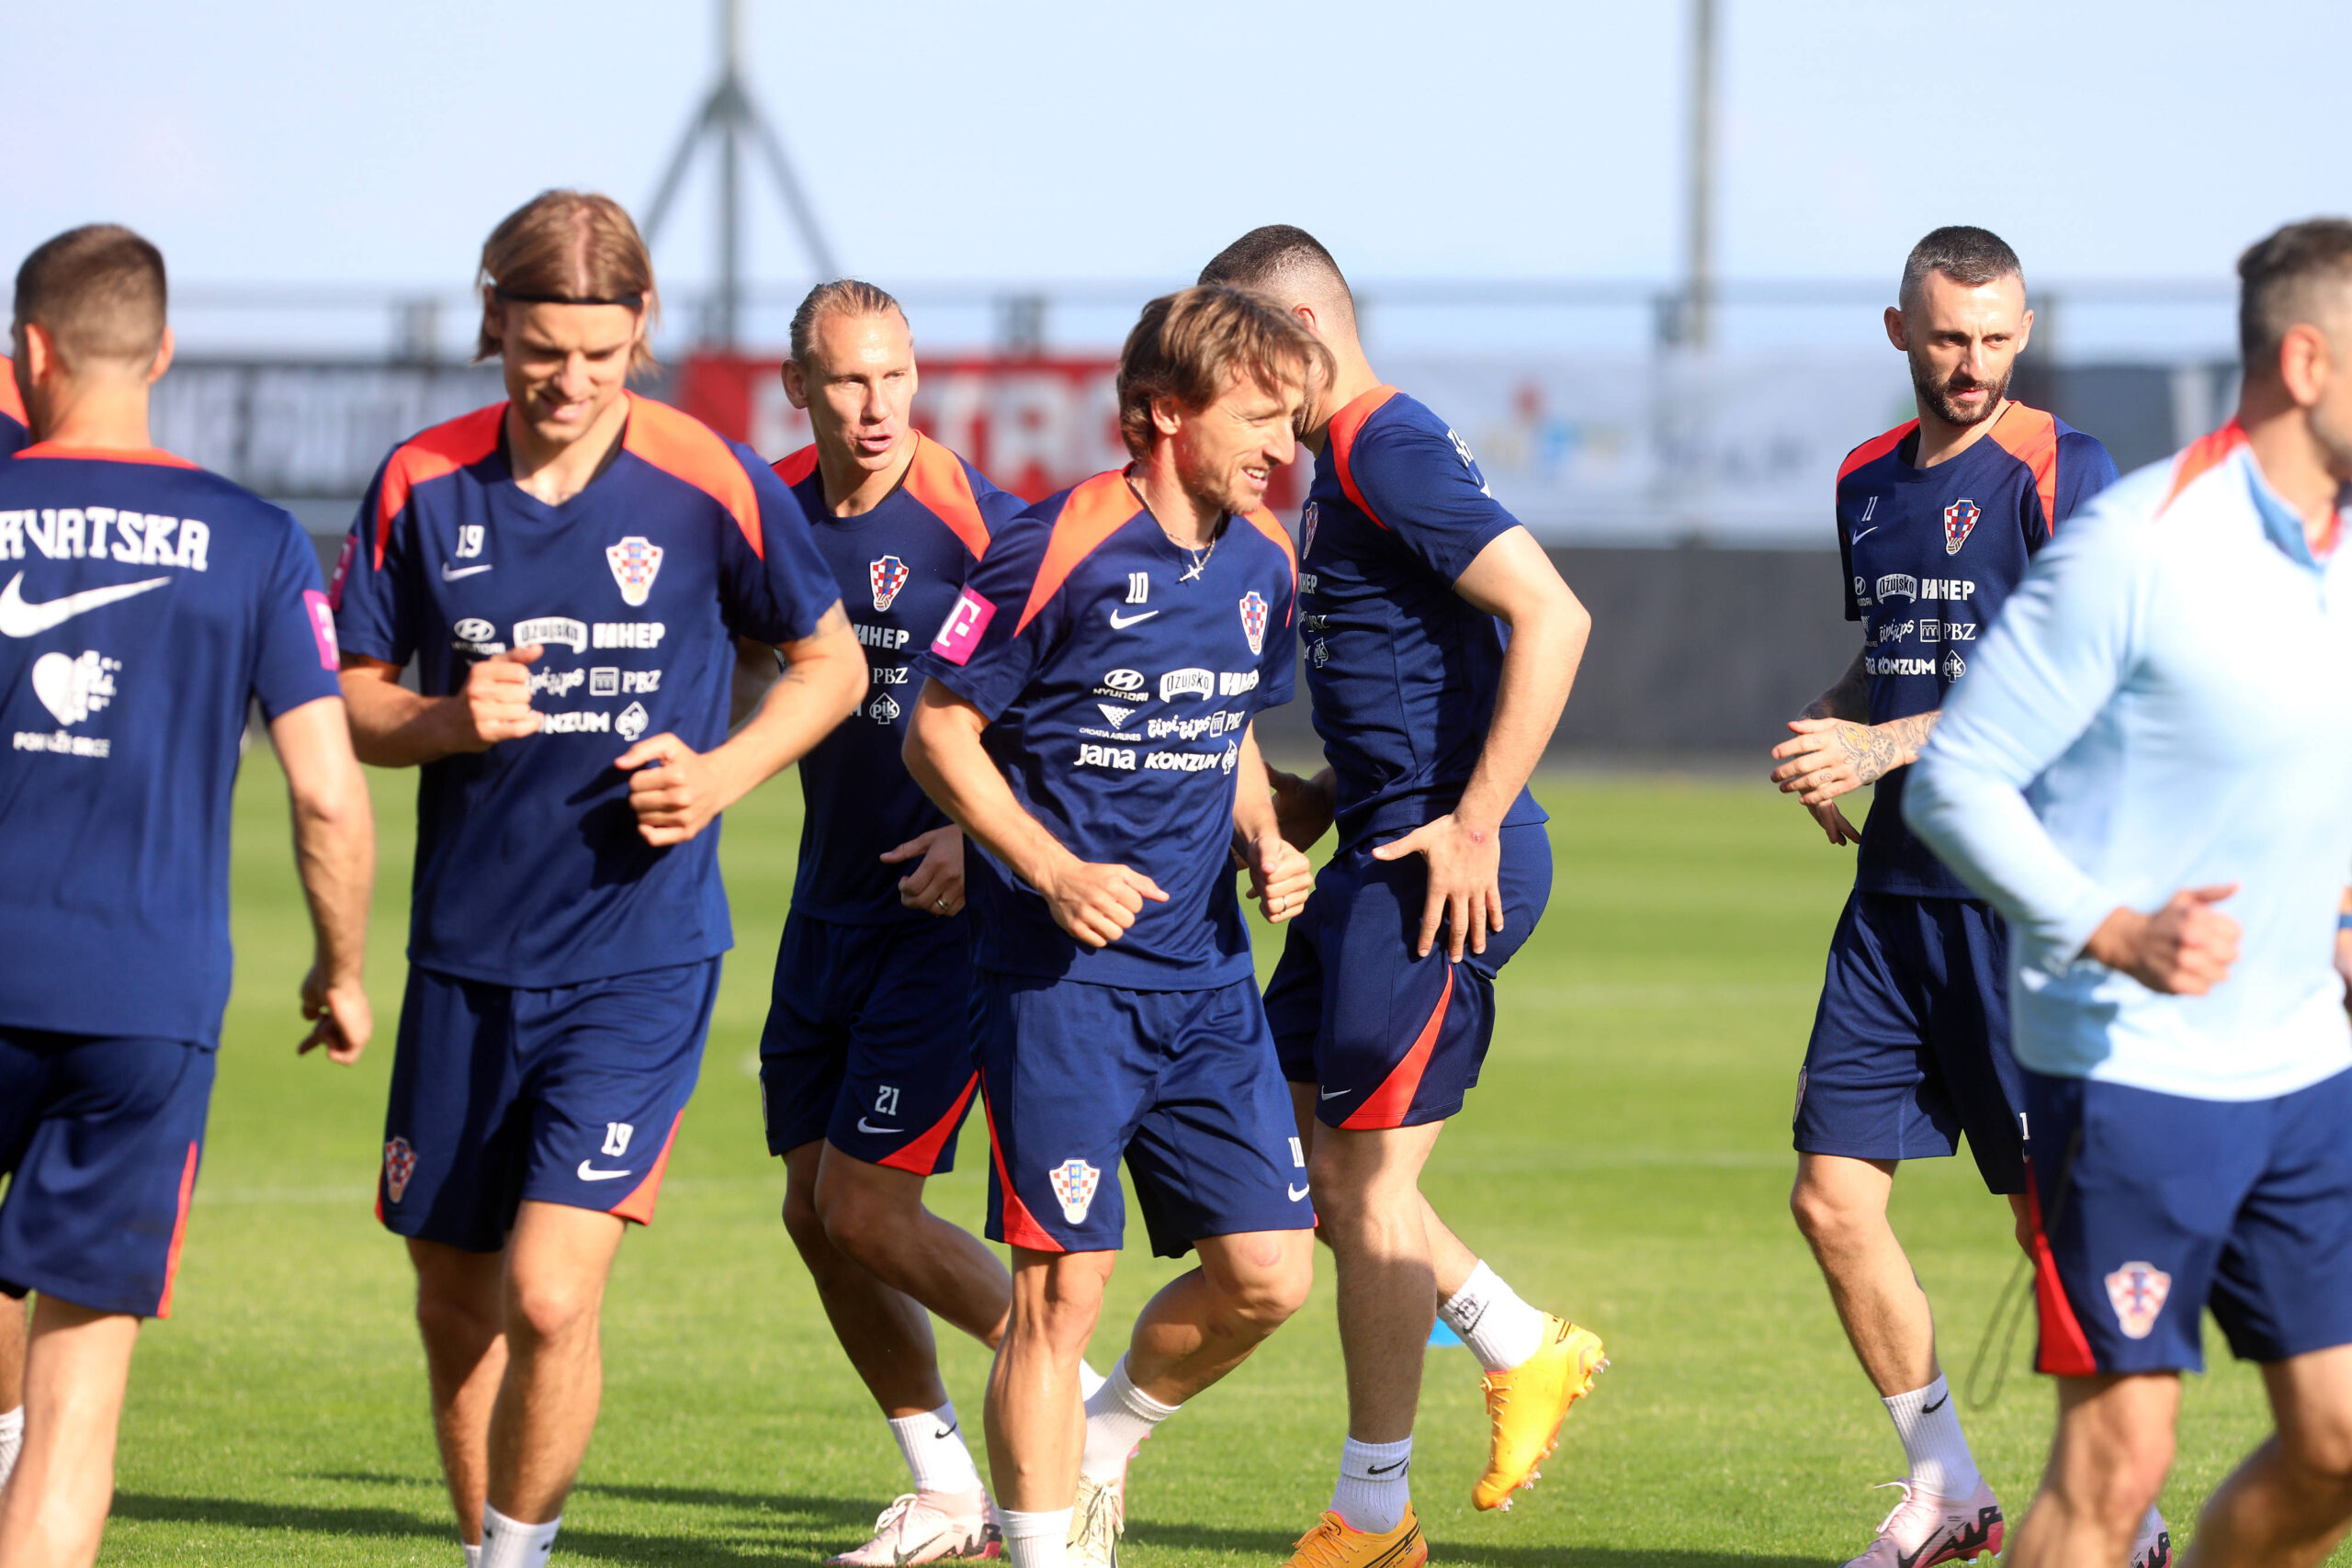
x=1097 y=1521
x=1924 y=1529
x=924 y=1527
x=2153 y=1547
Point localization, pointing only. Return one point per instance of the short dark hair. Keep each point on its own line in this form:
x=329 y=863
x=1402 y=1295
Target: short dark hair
x=1188 y=345
x=1970 y=257
x=2282 y=277
x=98 y=291
x=1267 y=257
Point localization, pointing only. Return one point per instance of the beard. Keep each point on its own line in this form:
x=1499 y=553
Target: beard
x=1940 y=397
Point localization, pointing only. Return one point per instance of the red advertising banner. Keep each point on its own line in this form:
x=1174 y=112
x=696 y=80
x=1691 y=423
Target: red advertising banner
x=1034 y=425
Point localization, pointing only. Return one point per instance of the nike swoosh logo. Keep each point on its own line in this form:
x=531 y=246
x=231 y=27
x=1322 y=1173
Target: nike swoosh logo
x=451 y=574
x=864 y=1126
x=19 y=618
x=944 y=1433
x=1939 y=1405
x=1385 y=1468
x=589 y=1173
x=1334 y=1093
x=1866 y=534
x=1295 y=1193
x=1120 y=623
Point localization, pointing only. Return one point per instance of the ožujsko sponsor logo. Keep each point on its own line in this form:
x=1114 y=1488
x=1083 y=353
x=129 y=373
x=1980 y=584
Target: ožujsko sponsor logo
x=1177 y=683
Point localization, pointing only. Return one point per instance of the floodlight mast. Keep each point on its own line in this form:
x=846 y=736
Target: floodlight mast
x=1699 y=236
x=726 y=119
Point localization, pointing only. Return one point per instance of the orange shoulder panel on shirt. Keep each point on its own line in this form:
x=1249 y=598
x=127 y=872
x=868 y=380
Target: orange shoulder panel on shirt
x=936 y=478
x=2031 y=437
x=153 y=454
x=1346 y=425
x=798 y=467
x=2205 y=452
x=683 y=446
x=1877 y=446
x=443 y=449
x=10 y=403
x=1097 y=509
x=1267 y=524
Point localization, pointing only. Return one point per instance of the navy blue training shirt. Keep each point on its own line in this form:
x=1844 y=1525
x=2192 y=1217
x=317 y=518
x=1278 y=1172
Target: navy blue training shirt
x=13 y=435
x=530 y=870
x=1403 y=671
x=1929 y=555
x=1118 y=674
x=899 y=566
x=143 y=603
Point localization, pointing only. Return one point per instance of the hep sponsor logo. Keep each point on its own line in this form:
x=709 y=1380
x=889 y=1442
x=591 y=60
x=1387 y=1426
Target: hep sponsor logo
x=960 y=634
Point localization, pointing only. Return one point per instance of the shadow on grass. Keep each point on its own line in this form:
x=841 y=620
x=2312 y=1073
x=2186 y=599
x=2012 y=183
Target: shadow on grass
x=787 y=1525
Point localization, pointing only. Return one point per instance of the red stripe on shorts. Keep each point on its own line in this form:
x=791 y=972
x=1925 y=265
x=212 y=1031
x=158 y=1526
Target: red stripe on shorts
x=180 y=1234
x=1021 y=1227
x=2064 y=1350
x=920 y=1156
x=638 y=1204
x=1388 y=1105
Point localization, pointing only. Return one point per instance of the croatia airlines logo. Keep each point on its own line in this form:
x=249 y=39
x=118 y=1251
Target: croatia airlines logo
x=2137 y=1291
x=1960 y=517
x=888 y=576
x=1074 y=1182
x=960 y=633
x=399 y=1164
x=1253 y=620
x=636 y=561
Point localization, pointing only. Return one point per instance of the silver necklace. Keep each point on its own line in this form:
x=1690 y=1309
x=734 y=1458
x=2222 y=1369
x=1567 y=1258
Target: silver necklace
x=1200 y=559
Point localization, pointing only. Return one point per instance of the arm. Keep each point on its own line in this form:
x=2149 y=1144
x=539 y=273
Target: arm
x=1305 y=807
x=334 y=847
x=1279 y=878
x=823 y=681
x=2055 y=659
x=1836 y=752
x=755 y=674
x=1513 y=580
x=1094 y=903
x=393 y=726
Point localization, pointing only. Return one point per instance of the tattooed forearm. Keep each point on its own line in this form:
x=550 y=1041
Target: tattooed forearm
x=1879 y=749
x=1848 y=698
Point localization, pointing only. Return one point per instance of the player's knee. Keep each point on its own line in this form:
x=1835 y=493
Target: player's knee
x=1825 y=1217
x=2321 y=1446
x=804 y=1221
x=451 y=1322
x=855 y=1218
x=550 y=1308
x=2126 y=1486
x=1265 y=1286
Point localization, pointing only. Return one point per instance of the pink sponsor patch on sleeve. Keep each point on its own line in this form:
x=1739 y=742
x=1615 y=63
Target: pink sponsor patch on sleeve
x=322 y=627
x=960 y=633
x=343 y=569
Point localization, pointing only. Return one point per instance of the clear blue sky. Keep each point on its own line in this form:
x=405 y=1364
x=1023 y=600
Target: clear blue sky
x=265 y=139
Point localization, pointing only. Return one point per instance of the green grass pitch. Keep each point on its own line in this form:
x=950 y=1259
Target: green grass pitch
x=1626 y=1162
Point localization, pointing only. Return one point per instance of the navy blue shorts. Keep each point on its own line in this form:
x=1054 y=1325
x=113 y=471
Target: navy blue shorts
x=1181 y=1083
x=101 y=1139
x=566 y=1094
x=868 y=1042
x=1389 y=1039
x=2149 y=1208
x=1911 y=1044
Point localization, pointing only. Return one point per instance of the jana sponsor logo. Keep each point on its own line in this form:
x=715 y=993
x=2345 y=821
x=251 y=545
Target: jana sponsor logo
x=74 y=688
x=399 y=1164
x=1253 y=620
x=886 y=577
x=1074 y=1182
x=636 y=561
x=2137 y=1292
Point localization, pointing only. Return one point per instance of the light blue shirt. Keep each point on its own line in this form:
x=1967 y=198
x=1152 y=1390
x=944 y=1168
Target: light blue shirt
x=2165 y=702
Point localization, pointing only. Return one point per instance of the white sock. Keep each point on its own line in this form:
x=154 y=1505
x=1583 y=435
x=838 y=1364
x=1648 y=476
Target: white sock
x=12 y=1440
x=1089 y=1380
x=1938 y=1454
x=473 y=1555
x=1035 y=1540
x=1375 y=1485
x=511 y=1543
x=934 y=1450
x=1118 y=1417
x=1501 y=1330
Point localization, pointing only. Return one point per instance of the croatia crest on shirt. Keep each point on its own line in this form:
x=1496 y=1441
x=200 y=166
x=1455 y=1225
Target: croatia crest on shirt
x=1074 y=1182
x=2137 y=1292
x=1253 y=620
x=634 y=561
x=886 y=576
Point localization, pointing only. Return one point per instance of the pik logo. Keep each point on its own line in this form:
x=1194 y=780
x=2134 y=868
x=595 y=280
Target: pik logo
x=1954 y=665
x=886 y=576
x=399 y=1164
x=884 y=709
x=1253 y=620
x=2137 y=1292
x=636 y=561
x=74 y=688
x=632 y=722
x=1960 y=517
x=1074 y=1182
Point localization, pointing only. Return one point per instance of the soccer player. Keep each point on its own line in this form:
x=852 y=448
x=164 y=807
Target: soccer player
x=14 y=436
x=570 y=570
x=1086 y=718
x=2147 y=774
x=1441 y=644
x=146 y=603
x=866 y=1067
x=1936 y=522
